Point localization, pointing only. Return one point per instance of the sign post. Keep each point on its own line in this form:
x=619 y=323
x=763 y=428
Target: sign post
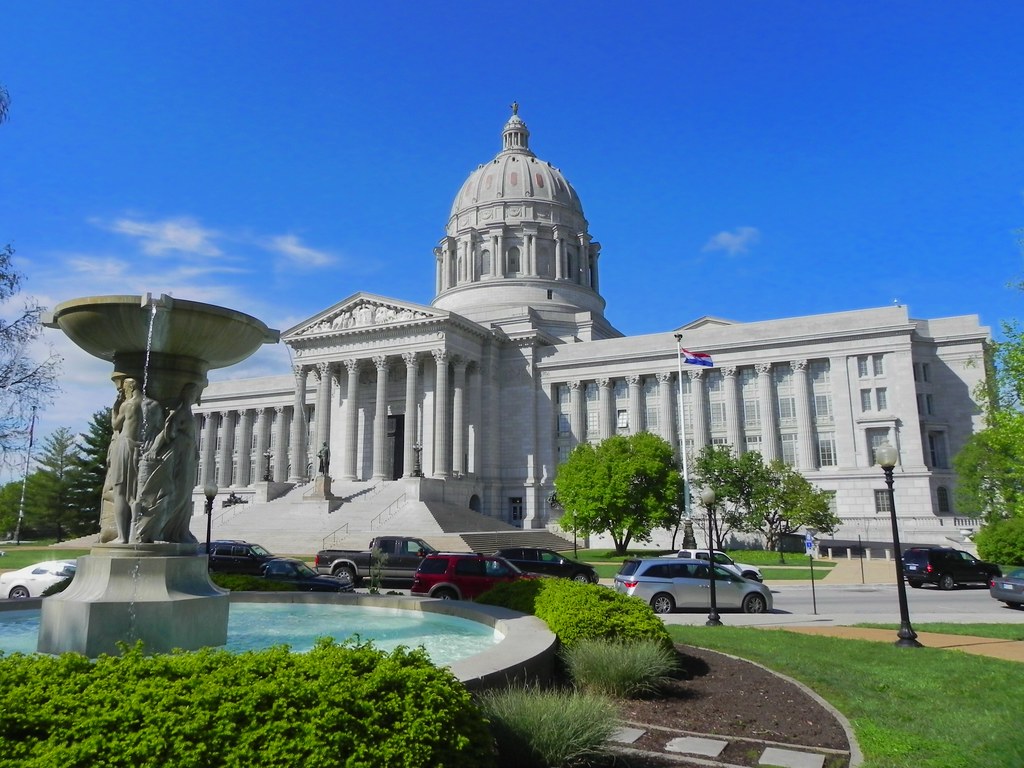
x=810 y=547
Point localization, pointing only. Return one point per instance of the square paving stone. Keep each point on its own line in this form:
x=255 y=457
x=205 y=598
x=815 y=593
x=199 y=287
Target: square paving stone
x=788 y=758
x=626 y=735
x=694 y=745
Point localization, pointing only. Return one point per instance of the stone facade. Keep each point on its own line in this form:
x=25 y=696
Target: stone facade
x=514 y=364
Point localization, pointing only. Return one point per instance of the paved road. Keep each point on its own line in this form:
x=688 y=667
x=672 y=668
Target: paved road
x=859 y=603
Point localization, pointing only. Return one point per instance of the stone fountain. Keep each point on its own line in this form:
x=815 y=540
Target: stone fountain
x=147 y=578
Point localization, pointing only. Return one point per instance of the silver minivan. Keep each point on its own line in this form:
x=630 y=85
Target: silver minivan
x=667 y=584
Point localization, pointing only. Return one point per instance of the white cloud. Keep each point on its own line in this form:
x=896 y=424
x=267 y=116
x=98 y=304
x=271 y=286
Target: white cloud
x=182 y=235
x=733 y=243
x=301 y=255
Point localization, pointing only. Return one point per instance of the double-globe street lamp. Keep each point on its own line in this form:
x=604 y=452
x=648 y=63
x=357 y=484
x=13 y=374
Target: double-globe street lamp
x=210 y=492
x=886 y=457
x=707 y=495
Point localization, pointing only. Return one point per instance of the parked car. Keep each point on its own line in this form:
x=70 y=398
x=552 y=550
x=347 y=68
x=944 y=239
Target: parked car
x=945 y=567
x=461 y=575
x=33 y=580
x=231 y=556
x=722 y=559
x=302 y=577
x=1009 y=588
x=547 y=562
x=670 y=584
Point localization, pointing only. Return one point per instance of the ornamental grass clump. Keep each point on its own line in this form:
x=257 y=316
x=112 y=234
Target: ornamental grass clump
x=621 y=669
x=548 y=728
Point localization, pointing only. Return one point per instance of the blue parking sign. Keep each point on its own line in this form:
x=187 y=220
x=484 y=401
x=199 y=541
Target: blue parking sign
x=809 y=546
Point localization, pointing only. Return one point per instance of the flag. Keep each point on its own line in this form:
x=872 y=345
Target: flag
x=695 y=358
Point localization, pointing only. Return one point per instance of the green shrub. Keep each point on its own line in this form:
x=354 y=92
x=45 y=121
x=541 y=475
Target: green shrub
x=547 y=728
x=575 y=611
x=241 y=582
x=337 y=705
x=619 y=669
x=1002 y=541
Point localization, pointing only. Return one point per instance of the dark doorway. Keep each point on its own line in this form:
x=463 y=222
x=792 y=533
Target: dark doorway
x=396 y=446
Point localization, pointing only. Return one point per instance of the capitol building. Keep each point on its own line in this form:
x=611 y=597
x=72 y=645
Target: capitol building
x=470 y=404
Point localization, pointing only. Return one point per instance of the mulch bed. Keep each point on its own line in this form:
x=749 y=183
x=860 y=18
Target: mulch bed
x=722 y=696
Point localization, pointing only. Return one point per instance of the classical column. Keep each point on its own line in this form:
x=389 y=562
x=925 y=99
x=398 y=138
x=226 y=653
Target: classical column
x=607 y=406
x=769 y=432
x=666 y=425
x=262 y=443
x=459 y=416
x=323 y=406
x=281 y=444
x=209 y=448
x=298 y=441
x=227 y=438
x=442 y=452
x=559 y=256
x=348 y=470
x=634 y=403
x=410 y=436
x=380 y=420
x=244 y=449
x=805 y=438
x=734 y=433
x=698 y=431
x=577 y=412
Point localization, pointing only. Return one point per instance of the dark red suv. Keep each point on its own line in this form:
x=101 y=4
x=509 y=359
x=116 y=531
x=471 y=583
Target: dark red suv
x=461 y=575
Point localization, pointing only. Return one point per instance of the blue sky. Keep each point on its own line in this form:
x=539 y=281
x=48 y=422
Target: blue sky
x=748 y=160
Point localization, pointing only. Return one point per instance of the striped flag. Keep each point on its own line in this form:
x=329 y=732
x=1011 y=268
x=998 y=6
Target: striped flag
x=696 y=358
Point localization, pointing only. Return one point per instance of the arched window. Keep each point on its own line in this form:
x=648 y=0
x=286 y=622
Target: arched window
x=485 y=262
x=942 y=497
x=513 y=260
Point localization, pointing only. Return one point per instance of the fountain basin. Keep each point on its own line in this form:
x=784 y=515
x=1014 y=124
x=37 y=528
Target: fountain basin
x=526 y=651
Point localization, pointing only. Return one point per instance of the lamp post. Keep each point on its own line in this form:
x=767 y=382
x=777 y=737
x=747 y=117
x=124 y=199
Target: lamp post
x=707 y=495
x=210 y=491
x=886 y=457
x=267 y=477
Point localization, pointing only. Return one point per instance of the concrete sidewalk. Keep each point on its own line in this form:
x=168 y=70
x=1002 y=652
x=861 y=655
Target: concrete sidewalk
x=861 y=572
x=996 y=648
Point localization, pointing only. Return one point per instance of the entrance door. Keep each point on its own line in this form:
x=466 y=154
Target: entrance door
x=396 y=446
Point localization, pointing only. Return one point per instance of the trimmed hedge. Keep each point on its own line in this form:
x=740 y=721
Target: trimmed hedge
x=1002 y=541
x=575 y=611
x=338 y=705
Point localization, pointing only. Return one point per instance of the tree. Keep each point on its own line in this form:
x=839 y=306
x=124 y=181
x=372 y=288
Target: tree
x=627 y=486
x=770 y=499
x=90 y=468
x=990 y=466
x=51 y=505
x=26 y=383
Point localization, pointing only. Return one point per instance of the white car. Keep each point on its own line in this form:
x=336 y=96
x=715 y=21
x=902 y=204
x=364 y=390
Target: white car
x=740 y=569
x=32 y=580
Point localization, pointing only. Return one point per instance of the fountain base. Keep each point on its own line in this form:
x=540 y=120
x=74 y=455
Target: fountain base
x=160 y=594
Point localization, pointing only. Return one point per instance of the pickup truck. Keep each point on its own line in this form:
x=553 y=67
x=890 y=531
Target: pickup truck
x=402 y=556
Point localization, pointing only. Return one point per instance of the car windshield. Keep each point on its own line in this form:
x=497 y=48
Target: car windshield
x=629 y=567
x=1017 y=574
x=258 y=550
x=301 y=569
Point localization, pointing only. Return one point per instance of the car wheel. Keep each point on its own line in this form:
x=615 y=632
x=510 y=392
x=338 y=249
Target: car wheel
x=755 y=604
x=581 y=577
x=19 y=593
x=946 y=582
x=444 y=593
x=915 y=583
x=663 y=603
x=347 y=569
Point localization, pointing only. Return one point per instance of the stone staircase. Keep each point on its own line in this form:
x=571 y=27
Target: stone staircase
x=490 y=541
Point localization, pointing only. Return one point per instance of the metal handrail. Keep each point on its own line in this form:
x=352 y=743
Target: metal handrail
x=390 y=510
x=333 y=536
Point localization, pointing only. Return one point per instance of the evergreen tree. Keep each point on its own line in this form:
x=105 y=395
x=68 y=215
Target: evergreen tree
x=90 y=470
x=51 y=506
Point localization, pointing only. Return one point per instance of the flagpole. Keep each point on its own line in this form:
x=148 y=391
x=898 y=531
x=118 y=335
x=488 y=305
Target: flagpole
x=682 y=431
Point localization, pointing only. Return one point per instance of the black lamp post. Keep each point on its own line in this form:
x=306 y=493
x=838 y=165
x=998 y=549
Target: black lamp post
x=267 y=477
x=886 y=456
x=210 y=491
x=708 y=497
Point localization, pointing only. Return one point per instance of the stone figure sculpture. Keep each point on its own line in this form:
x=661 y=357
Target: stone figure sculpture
x=135 y=420
x=325 y=459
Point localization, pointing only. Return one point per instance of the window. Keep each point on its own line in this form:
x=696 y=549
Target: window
x=882 y=502
x=876 y=365
x=593 y=424
x=717 y=415
x=862 y=367
x=563 y=453
x=928 y=405
x=789 y=448
x=925 y=372
x=826 y=449
x=620 y=390
x=515 y=508
x=563 y=424
x=562 y=394
x=937 y=450
x=752 y=413
x=865 y=400
x=622 y=420
x=753 y=443
x=787 y=409
x=719 y=441
x=513 y=259
x=823 y=407
x=882 y=398
x=875 y=439
x=593 y=395
x=942 y=497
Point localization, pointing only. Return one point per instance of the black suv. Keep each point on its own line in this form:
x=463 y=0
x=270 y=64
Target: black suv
x=549 y=563
x=237 y=557
x=946 y=567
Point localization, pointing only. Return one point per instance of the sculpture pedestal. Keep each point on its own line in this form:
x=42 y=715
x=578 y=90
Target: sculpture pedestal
x=321 y=488
x=160 y=594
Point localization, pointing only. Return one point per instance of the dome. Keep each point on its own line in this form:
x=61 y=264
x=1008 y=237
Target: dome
x=517 y=242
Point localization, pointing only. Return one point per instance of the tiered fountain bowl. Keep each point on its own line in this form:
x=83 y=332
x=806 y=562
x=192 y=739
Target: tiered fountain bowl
x=156 y=592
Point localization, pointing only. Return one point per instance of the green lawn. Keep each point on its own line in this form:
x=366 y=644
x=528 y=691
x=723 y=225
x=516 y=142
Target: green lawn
x=910 y=708
x=19 y=556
